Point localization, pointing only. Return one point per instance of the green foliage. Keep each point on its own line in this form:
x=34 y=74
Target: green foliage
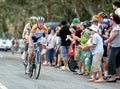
x=16 y=12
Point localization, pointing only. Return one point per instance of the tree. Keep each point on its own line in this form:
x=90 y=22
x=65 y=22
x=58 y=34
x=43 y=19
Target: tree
x=15 y=13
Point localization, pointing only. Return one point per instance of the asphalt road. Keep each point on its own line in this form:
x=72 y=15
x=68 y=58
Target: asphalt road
x=12 y=77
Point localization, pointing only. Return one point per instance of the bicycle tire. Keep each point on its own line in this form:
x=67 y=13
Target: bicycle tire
x=31 y=67
x=72 y=64
x=38 y=61
x=31 y=73
x=25 y=64
x=25 y=67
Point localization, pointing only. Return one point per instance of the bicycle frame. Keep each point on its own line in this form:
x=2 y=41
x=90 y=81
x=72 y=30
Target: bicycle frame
x=36 y=61
x=36 y=50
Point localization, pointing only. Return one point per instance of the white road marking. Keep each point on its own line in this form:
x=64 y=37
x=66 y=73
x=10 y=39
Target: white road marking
x=2 y=86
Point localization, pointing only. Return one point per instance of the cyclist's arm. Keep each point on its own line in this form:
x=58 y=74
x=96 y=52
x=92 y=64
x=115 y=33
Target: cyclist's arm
x=32 y=34
x=30 y=39
x=24 y=33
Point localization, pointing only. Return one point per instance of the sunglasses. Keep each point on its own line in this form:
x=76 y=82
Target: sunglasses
x=111 y=18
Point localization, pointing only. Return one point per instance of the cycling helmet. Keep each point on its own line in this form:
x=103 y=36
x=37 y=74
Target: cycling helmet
x=32 y=19
x=86 y=24
x=40 y=19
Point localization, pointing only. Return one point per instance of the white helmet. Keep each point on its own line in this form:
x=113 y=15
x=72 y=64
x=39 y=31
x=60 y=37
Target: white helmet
x=33 y=19
x=40 y=19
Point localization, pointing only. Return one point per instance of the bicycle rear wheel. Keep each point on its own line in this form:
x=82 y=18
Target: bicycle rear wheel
x=38 y=62
x=72 y=64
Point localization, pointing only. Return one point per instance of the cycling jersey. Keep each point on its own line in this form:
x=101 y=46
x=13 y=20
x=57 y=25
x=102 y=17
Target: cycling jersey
x=27 y=29
x=38 y=32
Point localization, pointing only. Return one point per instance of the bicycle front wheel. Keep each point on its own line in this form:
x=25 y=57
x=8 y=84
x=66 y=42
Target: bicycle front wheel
x=38 y=61
x=32 y=64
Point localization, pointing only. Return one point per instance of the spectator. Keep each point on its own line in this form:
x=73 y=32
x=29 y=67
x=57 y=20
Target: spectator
x=50 y=47
x=114 y=39
x=85 y=36
x=95 y=20
x=57 y=48
x=102 y=15
x=13 y=45
x=77 y=56
x=64 y=43
x=21 y=45
x=43 y=51
x=104 y=33
x=116 y=6
x=97 y=53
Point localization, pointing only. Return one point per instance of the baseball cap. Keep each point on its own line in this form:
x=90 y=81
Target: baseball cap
x=95 y=18
x=94 y=28
x=76 y=20
x=105 y=21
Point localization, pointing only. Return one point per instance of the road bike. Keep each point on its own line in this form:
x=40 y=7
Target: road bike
x=35 y=65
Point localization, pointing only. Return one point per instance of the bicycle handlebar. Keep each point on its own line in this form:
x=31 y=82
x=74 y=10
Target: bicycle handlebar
x=38 y=44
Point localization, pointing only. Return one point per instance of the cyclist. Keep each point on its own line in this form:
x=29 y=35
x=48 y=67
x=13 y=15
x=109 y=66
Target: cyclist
x=36 y=35
x=26 y=34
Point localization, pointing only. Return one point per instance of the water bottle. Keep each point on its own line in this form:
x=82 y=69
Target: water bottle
x=86 y=63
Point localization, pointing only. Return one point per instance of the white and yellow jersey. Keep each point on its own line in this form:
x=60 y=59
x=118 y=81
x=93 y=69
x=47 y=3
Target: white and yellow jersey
x=27 y=29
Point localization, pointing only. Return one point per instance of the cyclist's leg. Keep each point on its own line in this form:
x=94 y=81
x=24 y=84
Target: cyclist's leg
x=31 y=50
x=41 y=40
x=25 y=50
x=30 y=54
x=29 y=58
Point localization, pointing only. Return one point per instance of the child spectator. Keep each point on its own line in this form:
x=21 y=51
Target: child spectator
x=97 y=52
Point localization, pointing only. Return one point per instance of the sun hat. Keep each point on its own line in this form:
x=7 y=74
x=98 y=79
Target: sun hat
x=93 y=28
